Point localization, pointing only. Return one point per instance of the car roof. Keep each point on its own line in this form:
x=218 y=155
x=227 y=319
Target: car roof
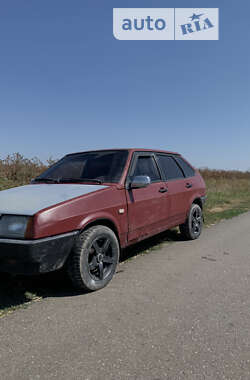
x=127 y=149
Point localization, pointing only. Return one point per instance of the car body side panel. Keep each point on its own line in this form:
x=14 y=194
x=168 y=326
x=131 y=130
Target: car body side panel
x=178 y=200
x=198 y=190
x=147 y=211
x=182 y=193
x=75 y=214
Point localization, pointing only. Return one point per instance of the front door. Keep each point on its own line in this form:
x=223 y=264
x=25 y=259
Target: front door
x=147 y=207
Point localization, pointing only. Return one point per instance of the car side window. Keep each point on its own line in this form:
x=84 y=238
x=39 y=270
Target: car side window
x=170 y=167
x=188 y=171
x=146 y=165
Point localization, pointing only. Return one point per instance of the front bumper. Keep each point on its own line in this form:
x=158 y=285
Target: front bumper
x=35 y=256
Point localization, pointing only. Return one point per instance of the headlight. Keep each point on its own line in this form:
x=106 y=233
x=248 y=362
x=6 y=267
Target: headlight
x=13 y=226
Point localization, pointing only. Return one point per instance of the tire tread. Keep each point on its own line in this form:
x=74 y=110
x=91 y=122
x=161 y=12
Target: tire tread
x=185 y=229
x=74 y=261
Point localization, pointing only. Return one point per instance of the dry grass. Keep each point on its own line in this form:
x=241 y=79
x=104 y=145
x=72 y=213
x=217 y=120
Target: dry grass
x=228 y=194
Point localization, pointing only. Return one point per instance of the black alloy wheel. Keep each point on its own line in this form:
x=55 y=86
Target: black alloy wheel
x=101 y=257
x=94 y=258
x=192 y=227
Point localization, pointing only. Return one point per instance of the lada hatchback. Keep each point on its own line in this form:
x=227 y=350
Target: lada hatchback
x=88 y=206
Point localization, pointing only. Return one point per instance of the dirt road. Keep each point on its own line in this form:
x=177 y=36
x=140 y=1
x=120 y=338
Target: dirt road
x=180 y=312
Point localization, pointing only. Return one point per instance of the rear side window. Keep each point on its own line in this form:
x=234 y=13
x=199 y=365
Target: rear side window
x=170 y=167
x=188 y=171
x=146 y=166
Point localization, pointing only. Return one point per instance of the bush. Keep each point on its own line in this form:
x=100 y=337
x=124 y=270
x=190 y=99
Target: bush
x=223 y=174
x=17 y=170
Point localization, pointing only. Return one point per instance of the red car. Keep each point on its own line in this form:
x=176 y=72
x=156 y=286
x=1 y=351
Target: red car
x=88 y=206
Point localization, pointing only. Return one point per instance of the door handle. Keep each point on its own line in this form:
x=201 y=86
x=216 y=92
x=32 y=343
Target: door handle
x=163 y=190
x=188 y=185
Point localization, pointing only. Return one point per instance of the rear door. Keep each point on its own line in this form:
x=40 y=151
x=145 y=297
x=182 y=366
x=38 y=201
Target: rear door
x=179 y=192
x=147 y=207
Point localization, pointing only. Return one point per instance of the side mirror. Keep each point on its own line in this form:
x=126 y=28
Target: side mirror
x=140 y=181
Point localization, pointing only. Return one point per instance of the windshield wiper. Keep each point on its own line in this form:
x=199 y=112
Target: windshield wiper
x=66 y=180
x=47 y=180
x=79 y=180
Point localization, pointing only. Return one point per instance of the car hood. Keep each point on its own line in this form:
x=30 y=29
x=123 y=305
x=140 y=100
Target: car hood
x=29 y=199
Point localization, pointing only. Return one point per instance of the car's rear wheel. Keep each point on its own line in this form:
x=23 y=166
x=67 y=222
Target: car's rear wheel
x=192 y=228
x=93 y=260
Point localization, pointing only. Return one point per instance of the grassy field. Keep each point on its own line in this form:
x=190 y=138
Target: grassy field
x=228 y=195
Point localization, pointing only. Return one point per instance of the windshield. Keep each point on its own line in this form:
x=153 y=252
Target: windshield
x=99 y=167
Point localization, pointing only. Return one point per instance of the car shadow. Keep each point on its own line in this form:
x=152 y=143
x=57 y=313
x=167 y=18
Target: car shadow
x=152 y=243
x=20 y=290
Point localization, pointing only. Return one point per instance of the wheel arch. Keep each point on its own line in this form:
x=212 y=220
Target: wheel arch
x=103 y=222
x=198 y=202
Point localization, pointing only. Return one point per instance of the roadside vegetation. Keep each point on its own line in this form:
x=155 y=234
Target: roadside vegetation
x=16 y=170
x=228 y=195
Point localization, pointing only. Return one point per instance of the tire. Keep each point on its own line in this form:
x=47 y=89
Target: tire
x=192 y=228
x=93 y=260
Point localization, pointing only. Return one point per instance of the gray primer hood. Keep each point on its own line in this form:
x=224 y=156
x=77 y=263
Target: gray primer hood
x=29 y=199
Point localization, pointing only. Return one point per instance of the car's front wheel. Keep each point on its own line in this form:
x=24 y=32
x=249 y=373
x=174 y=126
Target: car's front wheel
x=94 y=258
x=192 y=228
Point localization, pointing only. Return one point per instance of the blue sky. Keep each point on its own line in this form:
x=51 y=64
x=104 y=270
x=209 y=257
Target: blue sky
x=66 y=84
